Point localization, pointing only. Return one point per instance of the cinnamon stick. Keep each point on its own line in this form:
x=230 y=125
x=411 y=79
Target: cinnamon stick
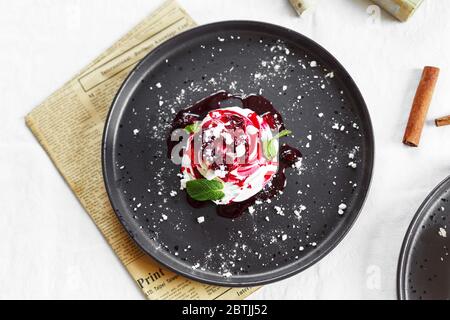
x=444 y=121
x=420 y=106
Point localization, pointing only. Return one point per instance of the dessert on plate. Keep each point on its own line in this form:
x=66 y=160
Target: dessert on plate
x=232 y=153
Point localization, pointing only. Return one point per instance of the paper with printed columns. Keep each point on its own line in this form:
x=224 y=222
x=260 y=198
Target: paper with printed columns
x=69 y=126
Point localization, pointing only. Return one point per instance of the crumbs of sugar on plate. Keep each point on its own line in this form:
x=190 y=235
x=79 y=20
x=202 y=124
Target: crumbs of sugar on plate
x=279 y=210
x=352 y=165
x=201 y=219
x=341 y=209
x=443 y=232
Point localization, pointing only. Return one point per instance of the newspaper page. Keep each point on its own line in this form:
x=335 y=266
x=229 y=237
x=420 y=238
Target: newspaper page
x=69 y=126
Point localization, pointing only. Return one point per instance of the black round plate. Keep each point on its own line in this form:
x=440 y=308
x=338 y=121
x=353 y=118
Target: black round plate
x=424 y=266
x=319 y=102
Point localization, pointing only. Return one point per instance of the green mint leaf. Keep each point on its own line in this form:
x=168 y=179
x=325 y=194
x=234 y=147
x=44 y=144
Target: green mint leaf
x=204 y=190
x=282 y=134
x=270 y=146
x=192 y=128
x=272 y=149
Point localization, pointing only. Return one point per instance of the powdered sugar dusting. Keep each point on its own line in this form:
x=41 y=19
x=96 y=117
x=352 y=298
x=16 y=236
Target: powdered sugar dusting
x=275 y=232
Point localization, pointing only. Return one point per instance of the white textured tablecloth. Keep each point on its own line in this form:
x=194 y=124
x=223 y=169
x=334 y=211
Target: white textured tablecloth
x=49 y=247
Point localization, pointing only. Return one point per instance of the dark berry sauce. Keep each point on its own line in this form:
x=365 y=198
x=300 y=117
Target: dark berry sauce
x=288 y=156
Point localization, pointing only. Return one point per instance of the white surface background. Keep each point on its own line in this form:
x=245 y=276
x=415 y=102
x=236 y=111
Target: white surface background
x=49 y=247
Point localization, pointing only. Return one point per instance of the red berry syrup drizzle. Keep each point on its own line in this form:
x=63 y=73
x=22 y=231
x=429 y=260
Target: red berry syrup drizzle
x=288 y=155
